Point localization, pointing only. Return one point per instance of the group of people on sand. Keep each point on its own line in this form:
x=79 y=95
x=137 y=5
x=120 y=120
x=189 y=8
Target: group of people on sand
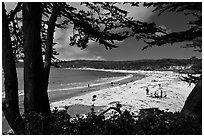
x=157 y=94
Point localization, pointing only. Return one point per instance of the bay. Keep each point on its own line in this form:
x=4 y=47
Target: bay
x=61 y=78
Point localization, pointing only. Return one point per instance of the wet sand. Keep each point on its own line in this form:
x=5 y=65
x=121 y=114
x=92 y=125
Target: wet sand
x=59 y=95
x=131 y=94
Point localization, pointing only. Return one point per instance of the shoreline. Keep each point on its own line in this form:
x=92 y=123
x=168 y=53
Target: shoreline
x=82 y=85
x=132 y=94
x=98 y=82
x=73 y=92
x=67 y=93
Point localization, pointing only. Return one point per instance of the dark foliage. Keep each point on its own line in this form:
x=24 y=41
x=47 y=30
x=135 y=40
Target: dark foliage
x=192 y=35
x=99 y=29
x=90 y=24
x=147 y=122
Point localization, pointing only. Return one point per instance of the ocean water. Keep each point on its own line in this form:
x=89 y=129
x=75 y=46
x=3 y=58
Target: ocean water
x=61 y=78
x=65 y=79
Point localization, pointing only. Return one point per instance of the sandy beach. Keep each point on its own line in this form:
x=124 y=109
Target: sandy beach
x=57 y=96
x=129 y=91
x=131 y=94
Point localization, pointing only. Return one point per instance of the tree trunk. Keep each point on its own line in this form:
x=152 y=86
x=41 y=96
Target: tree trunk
x=34 y=96
x=49 y=46
x=193 y=104
x=10 y=104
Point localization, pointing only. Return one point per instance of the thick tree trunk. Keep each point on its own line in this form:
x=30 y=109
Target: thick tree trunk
x=34 y=97
x=10 y=104
x=193 y=104
x=49 y=46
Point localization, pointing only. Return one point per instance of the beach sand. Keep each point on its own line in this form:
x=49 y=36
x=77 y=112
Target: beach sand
x=68 y=93
x=132 y=94
x=129 y=92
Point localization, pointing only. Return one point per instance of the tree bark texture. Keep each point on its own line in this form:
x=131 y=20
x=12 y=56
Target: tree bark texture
x=49 y=47
x=34 y=97
x=193 y=104
x=10 y=103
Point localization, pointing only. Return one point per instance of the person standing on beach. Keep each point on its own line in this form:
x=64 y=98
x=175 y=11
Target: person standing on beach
x=161 y=92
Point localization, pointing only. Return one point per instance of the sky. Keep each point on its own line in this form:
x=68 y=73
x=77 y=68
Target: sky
x=131 y=48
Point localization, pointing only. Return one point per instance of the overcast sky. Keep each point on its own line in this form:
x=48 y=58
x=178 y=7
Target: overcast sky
x=129 y=49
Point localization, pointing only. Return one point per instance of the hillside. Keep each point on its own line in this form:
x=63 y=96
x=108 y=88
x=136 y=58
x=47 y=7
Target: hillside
x=162 y=64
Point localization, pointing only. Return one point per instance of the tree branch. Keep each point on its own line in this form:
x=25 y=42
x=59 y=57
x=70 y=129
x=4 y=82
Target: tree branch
x=14 y=12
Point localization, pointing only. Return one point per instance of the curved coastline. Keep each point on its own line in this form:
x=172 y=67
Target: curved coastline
x=94 y=83
x=67 y=93
x=112 y=79
x=132 y=95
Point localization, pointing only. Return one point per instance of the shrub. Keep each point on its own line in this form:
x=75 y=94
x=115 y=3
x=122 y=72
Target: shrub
x=147 y=122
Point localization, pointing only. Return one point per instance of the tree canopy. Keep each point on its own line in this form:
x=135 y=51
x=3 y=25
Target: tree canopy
x=29 y=34
x=192 y=35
